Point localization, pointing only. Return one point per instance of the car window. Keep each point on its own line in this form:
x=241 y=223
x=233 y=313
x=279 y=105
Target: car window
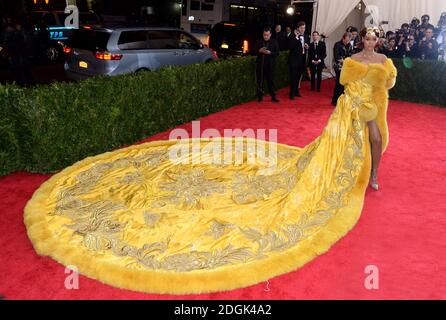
x=133 y=40
x=161 y=39
x=89 y=40
x=187 y=42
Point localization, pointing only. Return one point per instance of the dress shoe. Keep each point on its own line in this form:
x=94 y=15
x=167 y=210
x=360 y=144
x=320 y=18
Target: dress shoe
x=374 y=181
x=274 y=99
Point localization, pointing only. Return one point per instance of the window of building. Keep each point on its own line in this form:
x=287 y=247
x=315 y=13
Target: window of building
x=195 y=5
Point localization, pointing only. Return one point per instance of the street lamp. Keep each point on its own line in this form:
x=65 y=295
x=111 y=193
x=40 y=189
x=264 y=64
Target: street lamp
x=290 y=10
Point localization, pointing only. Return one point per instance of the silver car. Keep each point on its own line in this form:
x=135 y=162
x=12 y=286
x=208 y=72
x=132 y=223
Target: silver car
x=100 y=51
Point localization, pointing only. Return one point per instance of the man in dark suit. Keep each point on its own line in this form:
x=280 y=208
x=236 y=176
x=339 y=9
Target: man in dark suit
x=288 y=33
x=316 y=55
x=280 y=37
x=428 y=47
x=267 y=50
x=355 y=41
x=298 y=44
x=341 y=51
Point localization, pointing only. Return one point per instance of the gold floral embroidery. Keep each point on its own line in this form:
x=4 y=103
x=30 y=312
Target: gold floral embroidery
x=206 y=260
x=96 y=221
x=189 y=187
x=285 y=155
x=248 y=189
x=305 y=158
x=357 y=101
x=218 y=229
x=151 y=218
x=131 y=178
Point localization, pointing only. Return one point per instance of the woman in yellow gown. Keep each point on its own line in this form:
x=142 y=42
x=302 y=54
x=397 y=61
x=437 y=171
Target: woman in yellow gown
x=134 y=219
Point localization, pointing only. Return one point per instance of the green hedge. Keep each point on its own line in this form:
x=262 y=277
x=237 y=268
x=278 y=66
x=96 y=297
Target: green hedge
x=420 y=81
x=48 y=128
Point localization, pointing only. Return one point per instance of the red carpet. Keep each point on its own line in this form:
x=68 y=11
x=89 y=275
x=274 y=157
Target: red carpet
x=401 y=230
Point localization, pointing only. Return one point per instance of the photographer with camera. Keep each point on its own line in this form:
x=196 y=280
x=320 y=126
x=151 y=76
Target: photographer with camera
x=424 y=26
x=442 y=45
x=392 y=50
x=355 y=42
x=409 y=48
x=428 y=47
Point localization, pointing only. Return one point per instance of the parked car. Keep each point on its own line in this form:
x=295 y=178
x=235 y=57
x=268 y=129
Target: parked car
x=234 y=39
x=50 y=31
x=102 y=51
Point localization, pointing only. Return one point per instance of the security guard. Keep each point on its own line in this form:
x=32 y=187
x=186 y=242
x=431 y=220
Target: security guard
x=267 y=51
x=316 y=60
x=341 y=51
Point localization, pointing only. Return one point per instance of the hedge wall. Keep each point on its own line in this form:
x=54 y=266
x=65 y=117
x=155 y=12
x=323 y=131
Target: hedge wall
x=48 y=128
x=420 y=81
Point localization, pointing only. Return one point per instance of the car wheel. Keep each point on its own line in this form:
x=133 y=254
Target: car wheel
x=141 y=70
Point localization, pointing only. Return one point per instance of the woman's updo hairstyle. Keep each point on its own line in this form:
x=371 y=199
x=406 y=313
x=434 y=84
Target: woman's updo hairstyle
x=371 y=31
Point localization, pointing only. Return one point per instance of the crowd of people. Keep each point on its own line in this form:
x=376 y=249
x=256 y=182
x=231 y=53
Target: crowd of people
x=22 y=43
x=15 y=50
x=304 y=54
x=417 y=40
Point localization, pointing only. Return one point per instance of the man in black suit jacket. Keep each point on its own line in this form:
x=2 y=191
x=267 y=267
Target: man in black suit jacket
x=298 y=44
x=267 y=50
x=316 y=55
x=341 y=51
x=280 y=37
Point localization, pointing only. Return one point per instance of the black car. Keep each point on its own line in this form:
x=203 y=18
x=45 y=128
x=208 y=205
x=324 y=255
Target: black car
x=50 y=32
x=234 y=39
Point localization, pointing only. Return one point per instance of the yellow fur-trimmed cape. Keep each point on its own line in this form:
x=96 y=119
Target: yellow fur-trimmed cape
x=382 y=77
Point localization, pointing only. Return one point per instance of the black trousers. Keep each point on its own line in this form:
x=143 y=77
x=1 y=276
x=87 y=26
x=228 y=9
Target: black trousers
x=265 y=73
x=296 y=72
x=316 y=76
x=339 y=89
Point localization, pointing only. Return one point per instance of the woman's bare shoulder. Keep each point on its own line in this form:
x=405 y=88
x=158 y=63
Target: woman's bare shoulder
x=356 y=57
x=382 y=57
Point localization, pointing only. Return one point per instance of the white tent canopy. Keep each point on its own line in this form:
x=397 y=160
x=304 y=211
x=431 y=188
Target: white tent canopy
x=334 y=16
